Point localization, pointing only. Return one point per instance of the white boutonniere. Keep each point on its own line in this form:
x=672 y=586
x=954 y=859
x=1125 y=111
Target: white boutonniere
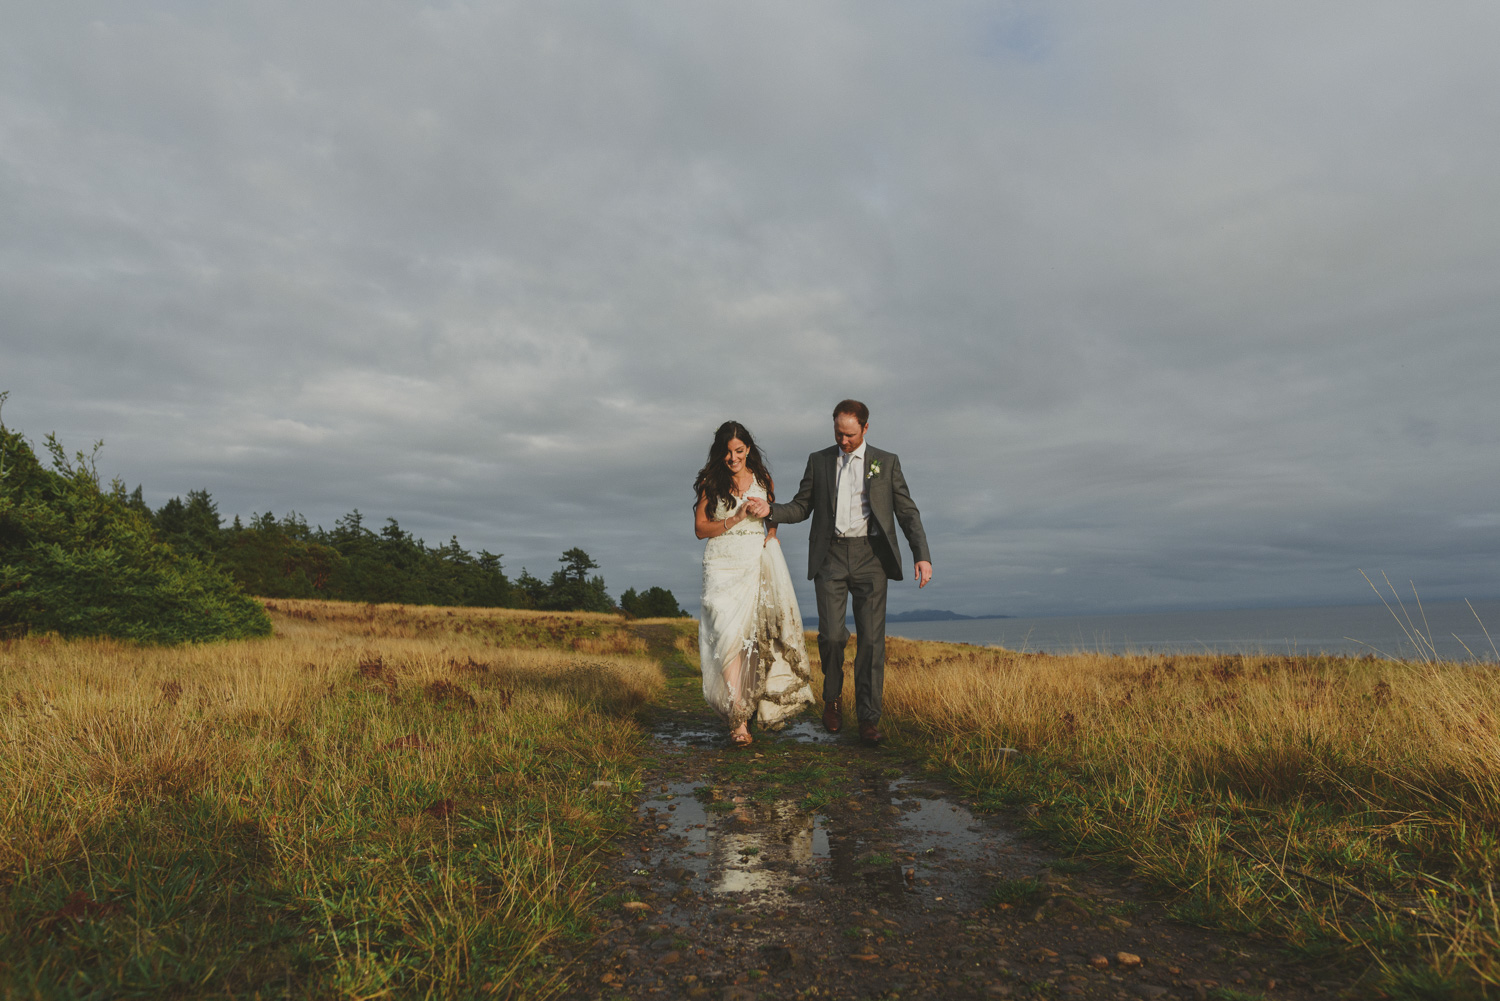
x=873 y=470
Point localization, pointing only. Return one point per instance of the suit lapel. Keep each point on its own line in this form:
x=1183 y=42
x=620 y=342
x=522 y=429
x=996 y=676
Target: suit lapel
x=875 y=485
x=831 y=468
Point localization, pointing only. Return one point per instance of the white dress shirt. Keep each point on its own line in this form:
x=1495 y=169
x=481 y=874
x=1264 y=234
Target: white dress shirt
x=851 y=514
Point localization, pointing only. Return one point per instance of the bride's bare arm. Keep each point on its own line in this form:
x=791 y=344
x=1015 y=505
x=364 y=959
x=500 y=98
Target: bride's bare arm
x=705 y=528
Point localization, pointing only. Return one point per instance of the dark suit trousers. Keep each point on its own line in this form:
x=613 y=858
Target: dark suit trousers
x=852 y=568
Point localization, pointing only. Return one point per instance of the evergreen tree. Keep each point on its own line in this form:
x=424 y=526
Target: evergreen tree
x=655 y=603
x=171 y=519
x=576 y=565
x=533 y=591
x=572 y=590
x=268 y=560
x=80 y=561
x=294 y=526
x=490 y=588
x=349 y=528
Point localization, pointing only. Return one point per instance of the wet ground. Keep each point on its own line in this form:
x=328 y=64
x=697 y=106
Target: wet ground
x=808 y=866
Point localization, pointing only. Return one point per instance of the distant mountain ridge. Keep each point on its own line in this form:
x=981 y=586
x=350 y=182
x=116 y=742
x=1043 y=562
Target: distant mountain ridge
x=937 y=615
x=920 y=615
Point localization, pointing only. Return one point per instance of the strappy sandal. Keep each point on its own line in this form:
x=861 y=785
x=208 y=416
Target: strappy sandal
x=741 y=739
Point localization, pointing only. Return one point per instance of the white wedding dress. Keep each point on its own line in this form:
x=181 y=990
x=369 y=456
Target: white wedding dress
x=750 y=629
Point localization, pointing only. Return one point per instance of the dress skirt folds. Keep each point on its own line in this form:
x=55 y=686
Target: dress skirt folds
x=750 y=630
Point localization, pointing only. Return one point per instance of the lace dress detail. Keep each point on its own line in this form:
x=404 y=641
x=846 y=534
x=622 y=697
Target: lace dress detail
x=750 y=629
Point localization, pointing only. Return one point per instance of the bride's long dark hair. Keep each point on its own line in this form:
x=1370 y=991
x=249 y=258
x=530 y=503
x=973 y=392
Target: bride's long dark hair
x=714 y=480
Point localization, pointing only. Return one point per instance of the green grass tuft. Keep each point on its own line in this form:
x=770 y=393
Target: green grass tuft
x=1024 y=892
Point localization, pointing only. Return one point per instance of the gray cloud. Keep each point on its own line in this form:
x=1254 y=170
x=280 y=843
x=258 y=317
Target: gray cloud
x=1161 y=306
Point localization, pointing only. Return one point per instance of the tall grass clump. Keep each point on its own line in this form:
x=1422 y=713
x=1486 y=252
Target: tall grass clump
x=377 y=801
x=1349 y=806
x=75 y=560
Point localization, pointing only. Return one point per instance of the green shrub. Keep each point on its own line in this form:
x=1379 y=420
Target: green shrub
x=79 y=561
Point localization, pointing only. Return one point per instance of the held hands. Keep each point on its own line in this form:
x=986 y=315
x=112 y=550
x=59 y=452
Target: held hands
x=924 y=573
x=757 y=507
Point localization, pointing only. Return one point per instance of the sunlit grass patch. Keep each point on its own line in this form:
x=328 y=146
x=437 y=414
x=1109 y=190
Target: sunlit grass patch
x=359 y=805
x=585 y=632
x=1320 y=799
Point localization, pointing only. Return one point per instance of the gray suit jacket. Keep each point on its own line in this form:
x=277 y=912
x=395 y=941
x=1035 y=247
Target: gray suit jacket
x=890 y=502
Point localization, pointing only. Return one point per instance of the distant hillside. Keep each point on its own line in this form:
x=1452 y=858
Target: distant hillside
x=936 y=615
x=920 y=615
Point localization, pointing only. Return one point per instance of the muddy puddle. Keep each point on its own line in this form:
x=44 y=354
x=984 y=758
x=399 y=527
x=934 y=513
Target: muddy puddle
x=811 y=866
x=680 y=734
x=897 y=838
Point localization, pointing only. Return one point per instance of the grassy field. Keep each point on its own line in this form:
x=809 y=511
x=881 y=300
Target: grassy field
x=375 y=801
x=1350 y=808
x=413 y=801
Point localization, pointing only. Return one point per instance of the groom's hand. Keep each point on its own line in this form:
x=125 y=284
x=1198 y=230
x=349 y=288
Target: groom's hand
x=757 y=507
x=924 y=573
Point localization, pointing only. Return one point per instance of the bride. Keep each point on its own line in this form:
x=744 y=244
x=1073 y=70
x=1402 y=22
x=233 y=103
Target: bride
x=750 y=630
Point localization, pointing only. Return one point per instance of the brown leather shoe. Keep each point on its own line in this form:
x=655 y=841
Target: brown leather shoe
x=869 y=735
x=833 y=715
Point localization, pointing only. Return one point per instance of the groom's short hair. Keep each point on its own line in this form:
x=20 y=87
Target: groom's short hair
x=854 y=409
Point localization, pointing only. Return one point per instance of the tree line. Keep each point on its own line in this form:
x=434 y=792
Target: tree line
x=286 y=558
x=75 y=552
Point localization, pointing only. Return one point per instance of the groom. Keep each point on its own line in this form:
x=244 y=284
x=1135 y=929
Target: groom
x=856 y=495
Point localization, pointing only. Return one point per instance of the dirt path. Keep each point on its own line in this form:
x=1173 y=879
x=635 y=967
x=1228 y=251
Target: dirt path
x=809 y=866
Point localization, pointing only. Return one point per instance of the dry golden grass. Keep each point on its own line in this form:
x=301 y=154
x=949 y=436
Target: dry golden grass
x=376 y=799
x=1336 y=802
x=399 y=800
x=479 y=627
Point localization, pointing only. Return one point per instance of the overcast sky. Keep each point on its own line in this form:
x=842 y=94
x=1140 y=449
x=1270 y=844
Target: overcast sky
x=1163 y=305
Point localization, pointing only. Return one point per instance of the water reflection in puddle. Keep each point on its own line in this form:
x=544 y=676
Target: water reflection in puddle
x=688 y=737
x=743 y=847
x=808 y=732
x=941 y=823
x=804 y=731
x=894 y=837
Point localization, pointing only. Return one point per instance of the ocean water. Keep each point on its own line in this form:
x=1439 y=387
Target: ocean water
x=1345 y=629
